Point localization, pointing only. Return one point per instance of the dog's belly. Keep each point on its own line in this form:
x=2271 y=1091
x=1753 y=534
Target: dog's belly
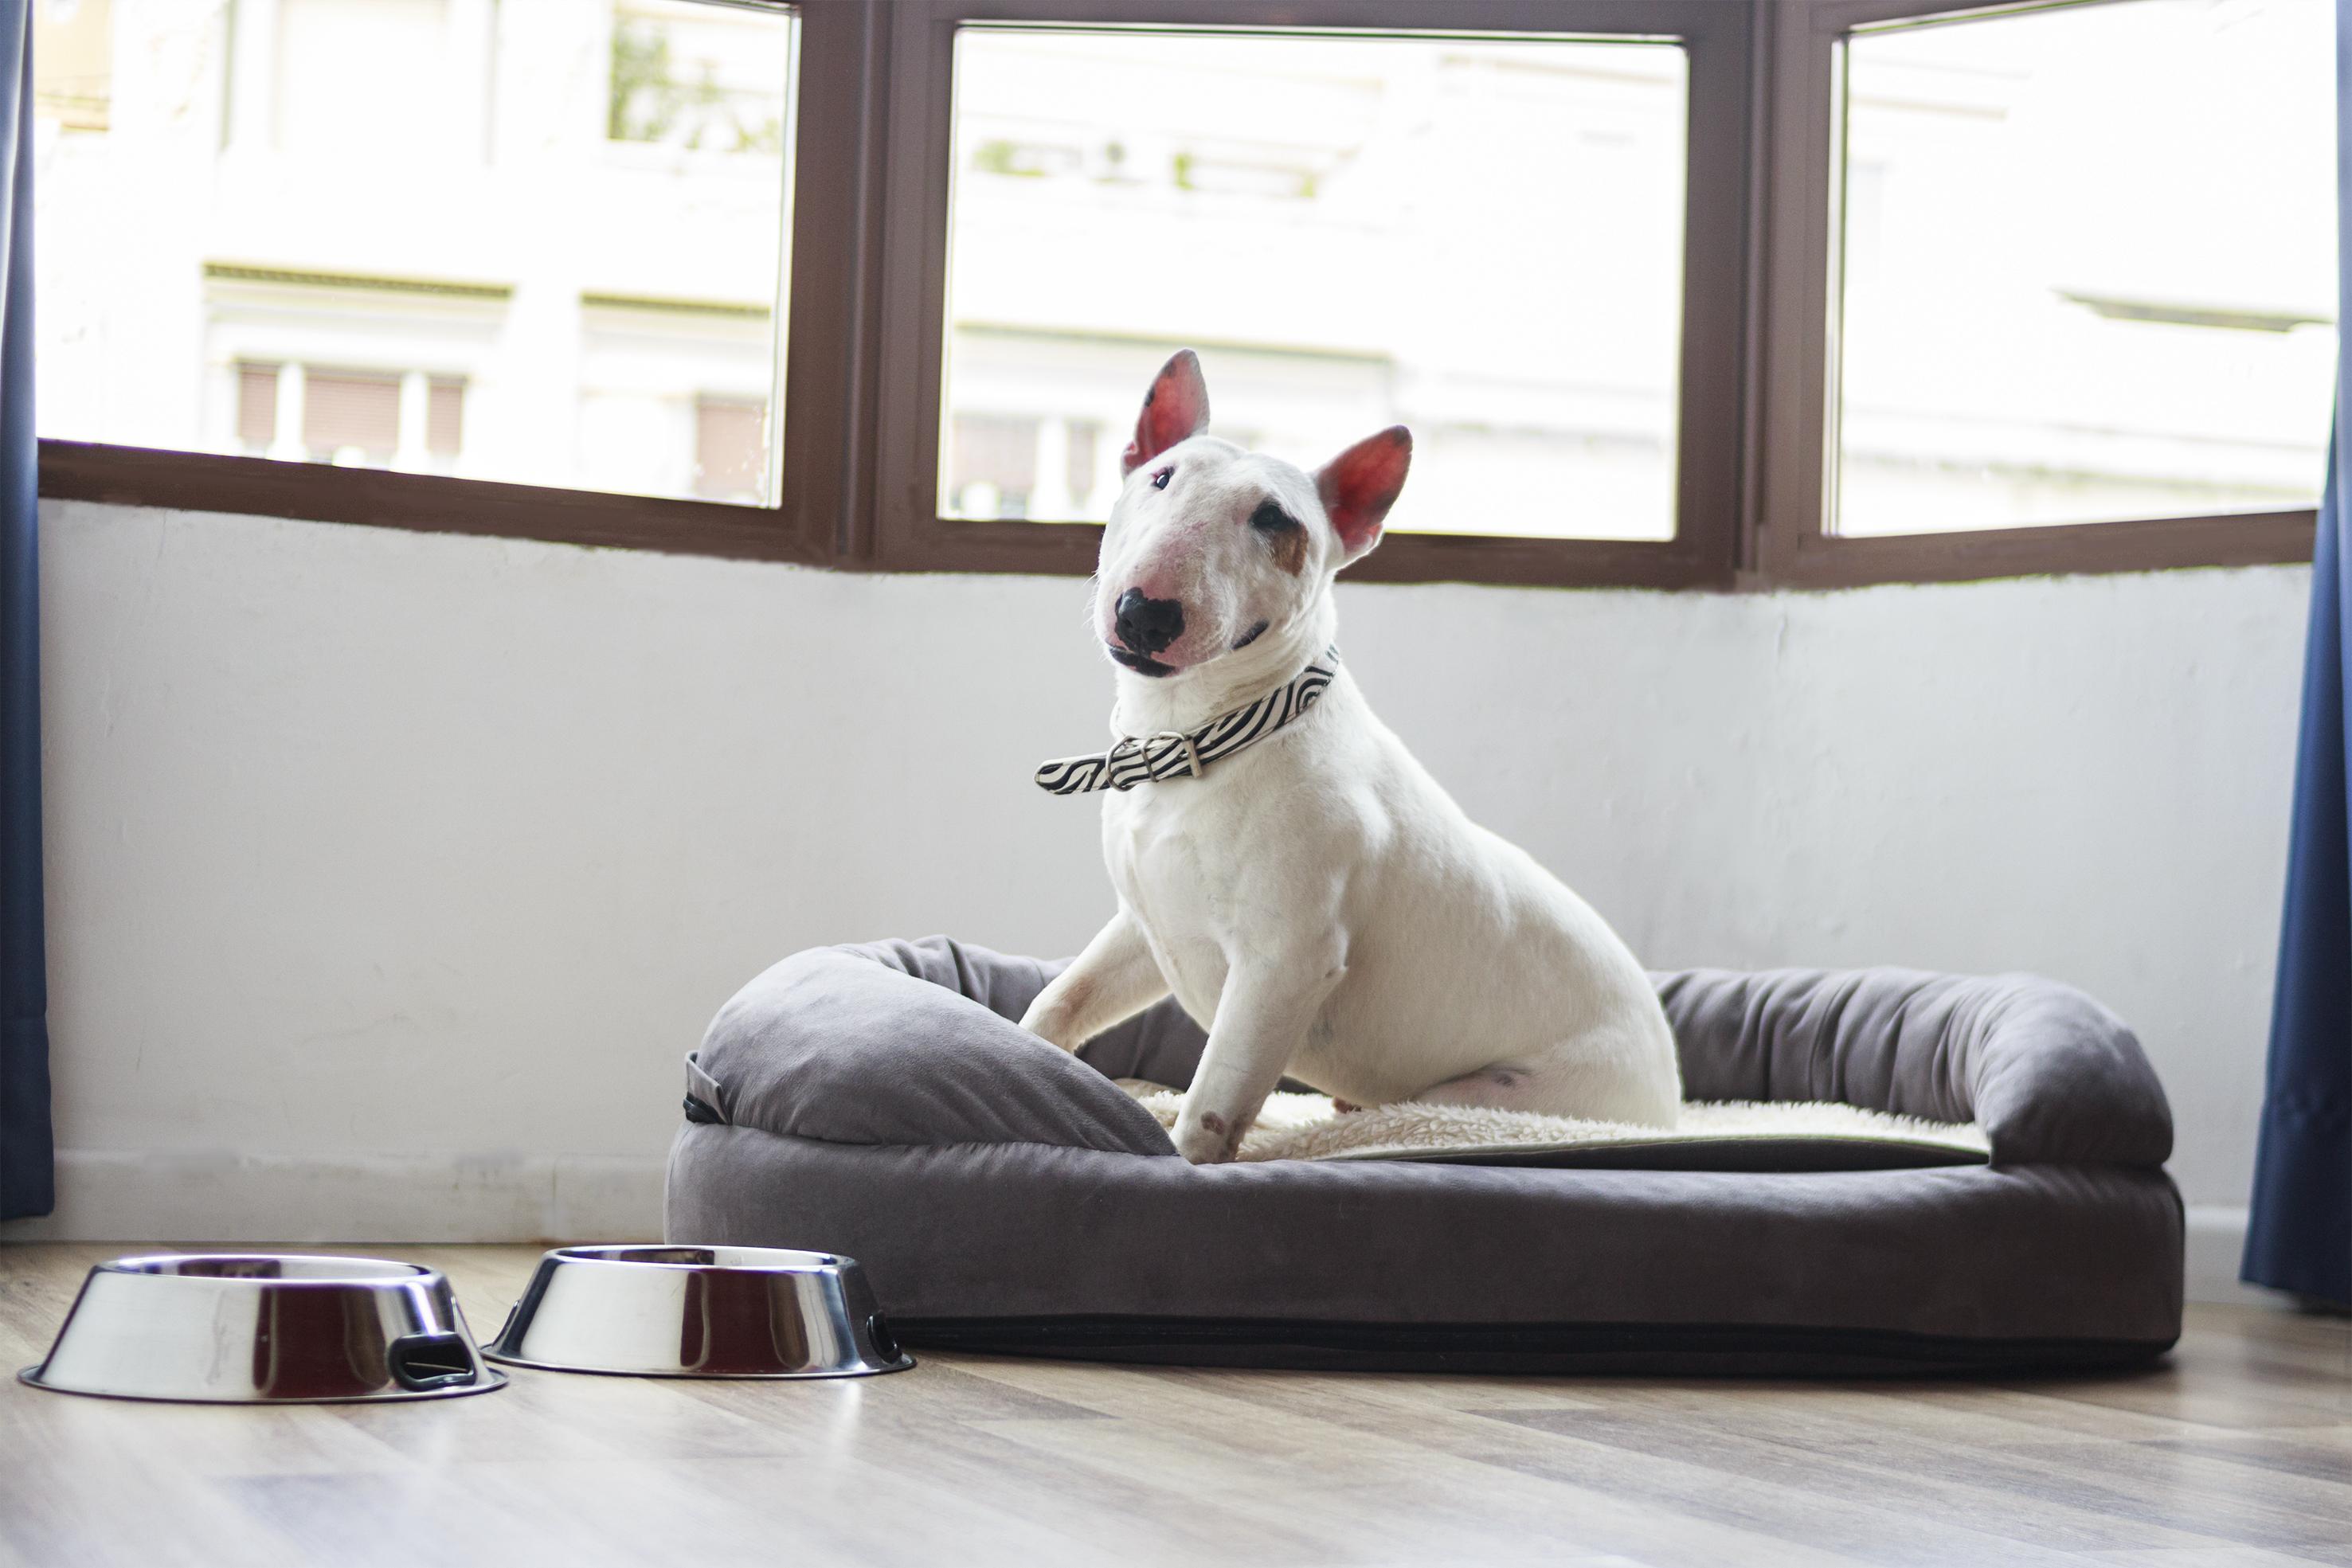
x=1374 y=1042
x=1360 y=1049
x=1322 y=1062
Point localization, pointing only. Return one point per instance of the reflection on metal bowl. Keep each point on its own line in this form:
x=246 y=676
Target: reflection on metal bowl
x=699 y=1311
x=258 y=1329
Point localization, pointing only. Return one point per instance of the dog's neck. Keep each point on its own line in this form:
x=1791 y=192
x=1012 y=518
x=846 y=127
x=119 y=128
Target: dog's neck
x=1148 y=705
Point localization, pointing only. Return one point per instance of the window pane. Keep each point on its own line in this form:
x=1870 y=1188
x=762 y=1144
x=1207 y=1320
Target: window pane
x=526 y=242
x=993 y=466
x=1481 y=238
x=727 y=448
x=2089 y=265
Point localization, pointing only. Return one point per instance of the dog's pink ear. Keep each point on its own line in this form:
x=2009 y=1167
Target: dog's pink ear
x=1175 y=408
x=1362 y=483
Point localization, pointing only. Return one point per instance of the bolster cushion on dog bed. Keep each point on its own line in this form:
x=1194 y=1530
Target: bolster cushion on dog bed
x=1003 y=1194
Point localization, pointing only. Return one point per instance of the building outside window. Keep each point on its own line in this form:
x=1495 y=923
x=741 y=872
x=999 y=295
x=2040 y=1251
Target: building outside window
x=537 y=243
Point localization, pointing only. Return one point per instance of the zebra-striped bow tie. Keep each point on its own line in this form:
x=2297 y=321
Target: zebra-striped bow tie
x=1186 y=754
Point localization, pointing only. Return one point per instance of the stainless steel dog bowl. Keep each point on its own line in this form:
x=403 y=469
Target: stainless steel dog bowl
x=242 y=1329
x=699 y=1311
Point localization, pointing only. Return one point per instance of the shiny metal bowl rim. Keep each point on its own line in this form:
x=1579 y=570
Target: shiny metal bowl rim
x=491 y=1378
x=775 y=1259
x=903 y=1363
x=396 y=1271
x=363 y=1271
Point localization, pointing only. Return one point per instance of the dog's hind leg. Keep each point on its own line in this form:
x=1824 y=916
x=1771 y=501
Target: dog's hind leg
x=1114 y=978
x=1553 y=1089
x=1502 y=1087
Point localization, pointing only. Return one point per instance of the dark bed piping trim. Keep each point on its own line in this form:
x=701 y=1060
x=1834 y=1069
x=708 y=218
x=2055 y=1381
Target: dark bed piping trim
x=1670 y=1349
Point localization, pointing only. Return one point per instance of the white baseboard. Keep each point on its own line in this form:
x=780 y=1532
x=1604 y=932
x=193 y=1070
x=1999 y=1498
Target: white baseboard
x=108 y=1194
x=2215 y=1242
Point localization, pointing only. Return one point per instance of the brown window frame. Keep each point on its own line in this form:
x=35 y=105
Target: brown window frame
x=866 y=336
x=1792 y=545
x=910 y=534
x=801 y=527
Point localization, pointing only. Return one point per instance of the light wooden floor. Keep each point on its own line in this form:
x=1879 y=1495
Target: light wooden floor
x=2237 y=1454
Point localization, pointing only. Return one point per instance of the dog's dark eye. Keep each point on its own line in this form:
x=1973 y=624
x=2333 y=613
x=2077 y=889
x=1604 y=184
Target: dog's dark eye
x=1160 y=480
x=1270 y=519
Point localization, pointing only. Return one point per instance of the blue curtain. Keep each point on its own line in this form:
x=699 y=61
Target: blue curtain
x=26 y=1185
x=2299 y=1234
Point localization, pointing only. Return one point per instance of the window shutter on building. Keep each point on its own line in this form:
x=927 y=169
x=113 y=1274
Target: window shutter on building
x=445 y=417
x=341 y=410
x=256 y=406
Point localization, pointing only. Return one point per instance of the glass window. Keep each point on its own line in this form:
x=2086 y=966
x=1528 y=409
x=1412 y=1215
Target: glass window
x=528 y=243
x=1479 y=237
x=2089 y=265
x=993 y=469
x=727 y=447
x=325 y=103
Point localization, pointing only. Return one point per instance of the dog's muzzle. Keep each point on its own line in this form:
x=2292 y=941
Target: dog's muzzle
x=1147 y=625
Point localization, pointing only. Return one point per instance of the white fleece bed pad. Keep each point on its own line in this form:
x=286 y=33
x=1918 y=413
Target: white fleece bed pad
x=1730 y=1134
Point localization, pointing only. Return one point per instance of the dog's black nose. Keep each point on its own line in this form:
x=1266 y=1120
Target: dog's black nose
x=1147 y=625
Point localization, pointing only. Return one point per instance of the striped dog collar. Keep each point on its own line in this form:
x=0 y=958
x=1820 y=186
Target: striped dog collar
x=1135 y=760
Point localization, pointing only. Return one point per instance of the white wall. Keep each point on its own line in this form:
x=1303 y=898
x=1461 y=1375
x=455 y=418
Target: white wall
x=390 y=875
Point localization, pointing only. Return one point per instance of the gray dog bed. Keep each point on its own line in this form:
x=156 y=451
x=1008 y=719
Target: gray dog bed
x=880 y=1101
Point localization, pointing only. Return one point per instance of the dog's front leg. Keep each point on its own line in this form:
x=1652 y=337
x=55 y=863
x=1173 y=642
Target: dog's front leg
x=1263 y=1016
x=1114 y=978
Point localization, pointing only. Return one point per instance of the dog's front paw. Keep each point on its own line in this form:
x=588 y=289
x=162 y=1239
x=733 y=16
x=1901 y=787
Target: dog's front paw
x=1207 y=1139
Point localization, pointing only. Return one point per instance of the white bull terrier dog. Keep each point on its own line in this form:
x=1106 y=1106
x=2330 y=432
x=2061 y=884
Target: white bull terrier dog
x=1284 y=865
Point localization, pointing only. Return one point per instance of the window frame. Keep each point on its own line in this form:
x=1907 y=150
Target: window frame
x=798 y=527
x=1793 y=546
x=864 y=335
x=910 y=534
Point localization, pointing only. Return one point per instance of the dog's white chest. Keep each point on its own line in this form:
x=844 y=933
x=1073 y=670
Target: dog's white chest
x=1181 y=890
